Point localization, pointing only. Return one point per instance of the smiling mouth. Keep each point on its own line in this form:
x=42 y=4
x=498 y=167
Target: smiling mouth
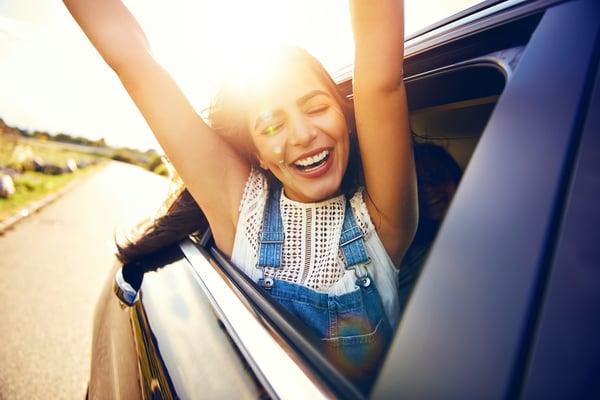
x=434 y=201
x=311 y=163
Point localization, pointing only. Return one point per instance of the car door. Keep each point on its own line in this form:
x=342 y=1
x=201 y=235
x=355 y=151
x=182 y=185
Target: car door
x=470 y=326
x=565 y=355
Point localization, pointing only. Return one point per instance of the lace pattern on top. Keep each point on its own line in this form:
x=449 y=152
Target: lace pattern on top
x=252 y=208
x=311 y=254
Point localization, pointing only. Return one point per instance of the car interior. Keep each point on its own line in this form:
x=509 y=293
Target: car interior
x=451 y=107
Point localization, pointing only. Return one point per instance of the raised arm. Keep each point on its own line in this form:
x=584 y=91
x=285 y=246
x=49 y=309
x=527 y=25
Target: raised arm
x=382 y=121
x=202 y=158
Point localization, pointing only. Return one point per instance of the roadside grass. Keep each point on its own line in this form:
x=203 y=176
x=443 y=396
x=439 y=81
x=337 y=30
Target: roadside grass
x=31 y=186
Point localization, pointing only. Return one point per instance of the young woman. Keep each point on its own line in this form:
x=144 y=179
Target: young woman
x=310 y=195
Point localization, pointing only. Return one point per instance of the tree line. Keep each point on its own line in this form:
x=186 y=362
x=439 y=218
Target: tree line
x=11 y=131
x=149 y=159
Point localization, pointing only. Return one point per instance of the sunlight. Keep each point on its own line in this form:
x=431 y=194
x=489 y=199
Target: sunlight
x=196 y=40
x=201 y=42
x=422 y=13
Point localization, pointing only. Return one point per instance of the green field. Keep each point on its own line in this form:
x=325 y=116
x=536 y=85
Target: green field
x=31 y=185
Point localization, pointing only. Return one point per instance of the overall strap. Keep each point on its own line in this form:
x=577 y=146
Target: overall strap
x=272 y=236
x=352 y=245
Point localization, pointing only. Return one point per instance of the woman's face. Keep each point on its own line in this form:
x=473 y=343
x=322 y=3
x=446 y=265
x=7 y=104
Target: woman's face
x=301 y=136
x=435 y=199
x=436 y=189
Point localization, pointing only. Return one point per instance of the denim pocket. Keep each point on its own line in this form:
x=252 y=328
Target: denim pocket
x=359 y=357
x=356 y=331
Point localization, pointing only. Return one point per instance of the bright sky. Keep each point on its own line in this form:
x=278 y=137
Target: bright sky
x=51 y=79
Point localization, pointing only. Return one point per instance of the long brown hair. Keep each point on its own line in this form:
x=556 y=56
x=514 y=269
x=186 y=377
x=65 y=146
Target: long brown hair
x=178 y=217
x=227 y=116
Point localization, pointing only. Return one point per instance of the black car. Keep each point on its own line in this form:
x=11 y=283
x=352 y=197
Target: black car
x=508 y=302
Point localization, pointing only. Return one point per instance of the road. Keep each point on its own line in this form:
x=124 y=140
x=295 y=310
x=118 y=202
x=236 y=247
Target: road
x=53 y=265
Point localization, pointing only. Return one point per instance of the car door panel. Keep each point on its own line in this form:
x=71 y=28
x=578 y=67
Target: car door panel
x=467 y=327
x=565 y=358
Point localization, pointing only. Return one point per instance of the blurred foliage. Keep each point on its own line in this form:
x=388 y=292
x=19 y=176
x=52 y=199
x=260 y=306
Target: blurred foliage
x=61 y=147
x=150 y=159
x=40 y=163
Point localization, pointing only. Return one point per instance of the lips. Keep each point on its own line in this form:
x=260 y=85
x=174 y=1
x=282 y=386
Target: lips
x=312 y=163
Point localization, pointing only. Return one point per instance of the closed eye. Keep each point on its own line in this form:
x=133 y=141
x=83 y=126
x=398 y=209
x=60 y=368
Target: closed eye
x=317 y=109
x=269 y=122
x=272 y=129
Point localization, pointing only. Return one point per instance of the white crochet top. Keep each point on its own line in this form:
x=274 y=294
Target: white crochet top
x=311 y=252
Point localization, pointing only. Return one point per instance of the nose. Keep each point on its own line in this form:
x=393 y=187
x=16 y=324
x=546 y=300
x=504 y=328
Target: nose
x=302 y=131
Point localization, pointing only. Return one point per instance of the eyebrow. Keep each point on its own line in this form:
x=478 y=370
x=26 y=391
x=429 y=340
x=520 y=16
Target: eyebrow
x=265 y=116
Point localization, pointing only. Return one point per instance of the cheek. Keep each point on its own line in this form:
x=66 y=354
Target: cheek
x=344 y=135
x=345 y=140
x=269 y=149
x=448 y=189
x=335 y=126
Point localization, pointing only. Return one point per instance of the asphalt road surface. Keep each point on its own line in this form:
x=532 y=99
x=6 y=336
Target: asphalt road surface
x=53 y=265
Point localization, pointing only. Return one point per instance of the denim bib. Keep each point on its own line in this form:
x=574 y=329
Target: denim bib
x=353 y=327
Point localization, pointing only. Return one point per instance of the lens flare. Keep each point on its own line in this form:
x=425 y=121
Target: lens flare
x=356 y=348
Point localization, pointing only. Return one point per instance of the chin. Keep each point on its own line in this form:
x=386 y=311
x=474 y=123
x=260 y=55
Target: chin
x=324 y=193
x=311 y=194
x=312 y=190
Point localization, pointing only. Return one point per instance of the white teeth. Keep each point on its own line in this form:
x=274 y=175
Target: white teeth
x=312 y=160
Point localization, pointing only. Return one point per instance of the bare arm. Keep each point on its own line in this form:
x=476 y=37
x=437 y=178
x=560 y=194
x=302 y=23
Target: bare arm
x=382 y=121
x=214 y=174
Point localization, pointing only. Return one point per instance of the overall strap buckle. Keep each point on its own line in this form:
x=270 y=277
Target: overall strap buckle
x=271 y=238
x=353 y=248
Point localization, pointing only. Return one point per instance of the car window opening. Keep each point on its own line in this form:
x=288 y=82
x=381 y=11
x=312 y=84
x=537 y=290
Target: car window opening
x=448 y=113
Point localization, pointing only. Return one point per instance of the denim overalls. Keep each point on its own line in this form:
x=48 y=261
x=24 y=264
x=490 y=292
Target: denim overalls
x=353 y=327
